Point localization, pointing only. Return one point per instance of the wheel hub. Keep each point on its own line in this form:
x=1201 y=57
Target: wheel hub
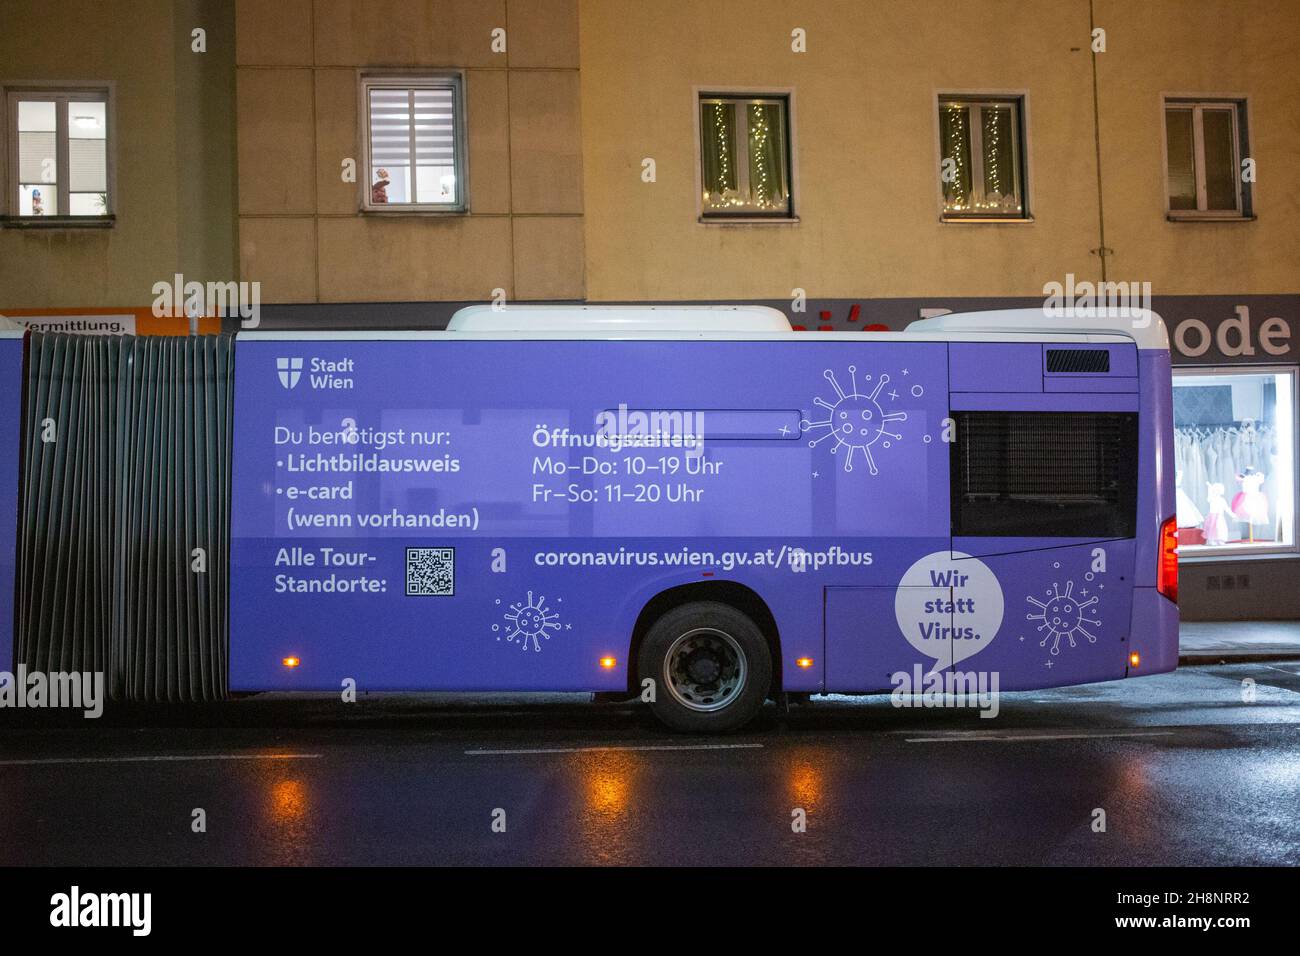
x=705 y=669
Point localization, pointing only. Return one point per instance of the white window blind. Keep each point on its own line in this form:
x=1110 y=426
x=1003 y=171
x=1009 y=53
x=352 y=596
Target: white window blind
x=415 y=143
x=58 y=153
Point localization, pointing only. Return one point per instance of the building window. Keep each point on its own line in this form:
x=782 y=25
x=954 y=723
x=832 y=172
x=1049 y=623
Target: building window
x=982 y=167
x=1234 y=459
x=1204 y=145
x=59 y=155
x=415 y=143
x=745 y=157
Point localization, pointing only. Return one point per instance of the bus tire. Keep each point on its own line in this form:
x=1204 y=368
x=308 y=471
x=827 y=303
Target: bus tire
x=711 y=667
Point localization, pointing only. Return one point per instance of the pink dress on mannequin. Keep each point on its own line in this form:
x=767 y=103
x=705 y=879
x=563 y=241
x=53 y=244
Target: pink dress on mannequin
x=1251 y=504
x=1216 y=521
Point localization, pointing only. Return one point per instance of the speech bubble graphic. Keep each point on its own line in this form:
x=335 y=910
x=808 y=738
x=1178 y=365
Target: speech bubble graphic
x=949 y=606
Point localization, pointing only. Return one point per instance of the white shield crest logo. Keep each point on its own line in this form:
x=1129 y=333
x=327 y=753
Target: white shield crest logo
x=290 y=370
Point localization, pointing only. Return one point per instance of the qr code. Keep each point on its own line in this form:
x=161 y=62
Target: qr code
x=431 y=571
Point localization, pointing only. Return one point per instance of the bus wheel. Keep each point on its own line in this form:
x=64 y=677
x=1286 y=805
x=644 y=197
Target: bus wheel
x=711 y=668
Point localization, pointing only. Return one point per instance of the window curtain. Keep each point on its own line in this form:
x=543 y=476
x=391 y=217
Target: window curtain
x=954 y=133
x=1178 y=146
x=766 y=149
x=717 y=136
x=999 y=158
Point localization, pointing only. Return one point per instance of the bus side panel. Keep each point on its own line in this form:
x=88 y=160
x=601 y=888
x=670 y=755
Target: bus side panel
x=1051 y=611
x=1065 y=617
x=1155 y=617
x=875 y=634
x=508 y=551
x=11 y=404
x=1156 y=495
x=1155 y=633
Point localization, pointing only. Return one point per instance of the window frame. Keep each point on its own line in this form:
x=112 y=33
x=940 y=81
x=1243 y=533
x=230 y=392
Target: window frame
x=90 y=91
x=1237 y=552
x=368 y=79
x=1019 y=100
x=1239 y=107
x=700 y=95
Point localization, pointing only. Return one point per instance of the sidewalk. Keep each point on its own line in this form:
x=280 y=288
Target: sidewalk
x=1205 y=642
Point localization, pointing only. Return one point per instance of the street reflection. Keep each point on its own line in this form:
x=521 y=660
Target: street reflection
x=287 y=809
x=805 y=783
x=289 y=801
x=609 y=781
x=805 y=780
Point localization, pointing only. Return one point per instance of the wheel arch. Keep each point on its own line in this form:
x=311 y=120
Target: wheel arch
x=739 y=596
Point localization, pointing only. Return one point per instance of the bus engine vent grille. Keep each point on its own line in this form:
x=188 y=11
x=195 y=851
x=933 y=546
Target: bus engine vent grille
x=1078 y=360
x=1044 y=474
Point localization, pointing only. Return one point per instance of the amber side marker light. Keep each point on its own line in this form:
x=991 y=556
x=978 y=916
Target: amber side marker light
x=291 y=662
x=805 y=662
x=607 y=662
x=1134 y=660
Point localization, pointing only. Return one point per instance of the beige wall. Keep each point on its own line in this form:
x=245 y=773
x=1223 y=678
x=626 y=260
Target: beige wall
x=172 y=148
x=1247 y=47
x=557 y=205
x=301 y=233
x=866 y=155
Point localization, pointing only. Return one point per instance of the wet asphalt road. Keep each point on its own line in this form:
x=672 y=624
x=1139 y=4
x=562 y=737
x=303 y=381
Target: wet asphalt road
x=1186 y=772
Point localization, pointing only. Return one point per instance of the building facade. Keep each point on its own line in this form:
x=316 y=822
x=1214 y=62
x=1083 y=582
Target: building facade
x=852 y=162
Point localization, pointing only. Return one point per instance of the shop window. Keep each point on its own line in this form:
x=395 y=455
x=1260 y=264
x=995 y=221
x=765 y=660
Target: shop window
x=981 y=165
x=745 y=157
x=59 y=156
x=1234 y=459
x=414 y=128
x=1045 y=474
x=1205 y=143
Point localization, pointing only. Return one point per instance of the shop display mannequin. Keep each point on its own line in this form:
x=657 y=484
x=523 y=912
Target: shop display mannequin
x=1216 y=522
x=1251 y=504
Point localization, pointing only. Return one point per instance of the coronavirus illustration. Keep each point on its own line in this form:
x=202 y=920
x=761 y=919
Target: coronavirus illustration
x=1063 y=614
x=856 y=422
x=530 y=622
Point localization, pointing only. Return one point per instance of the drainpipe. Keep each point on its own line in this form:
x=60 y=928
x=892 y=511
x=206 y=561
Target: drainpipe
x=1101 y=250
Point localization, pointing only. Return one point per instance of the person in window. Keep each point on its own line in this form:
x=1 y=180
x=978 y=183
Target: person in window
x=38 y=209
x=379 y=191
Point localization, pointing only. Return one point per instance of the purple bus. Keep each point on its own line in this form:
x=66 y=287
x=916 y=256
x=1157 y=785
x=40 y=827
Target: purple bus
x=702 y=508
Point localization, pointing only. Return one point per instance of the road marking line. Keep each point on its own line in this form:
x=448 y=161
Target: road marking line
x=583 y=750
x=156 y=759
x=975 y=735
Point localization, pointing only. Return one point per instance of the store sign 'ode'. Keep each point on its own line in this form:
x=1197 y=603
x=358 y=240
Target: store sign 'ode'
x=1234 y=337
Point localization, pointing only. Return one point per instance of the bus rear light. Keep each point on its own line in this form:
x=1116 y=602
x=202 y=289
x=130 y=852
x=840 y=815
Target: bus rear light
x=291 y=662
x=1134 y=659
x=1167 y=566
